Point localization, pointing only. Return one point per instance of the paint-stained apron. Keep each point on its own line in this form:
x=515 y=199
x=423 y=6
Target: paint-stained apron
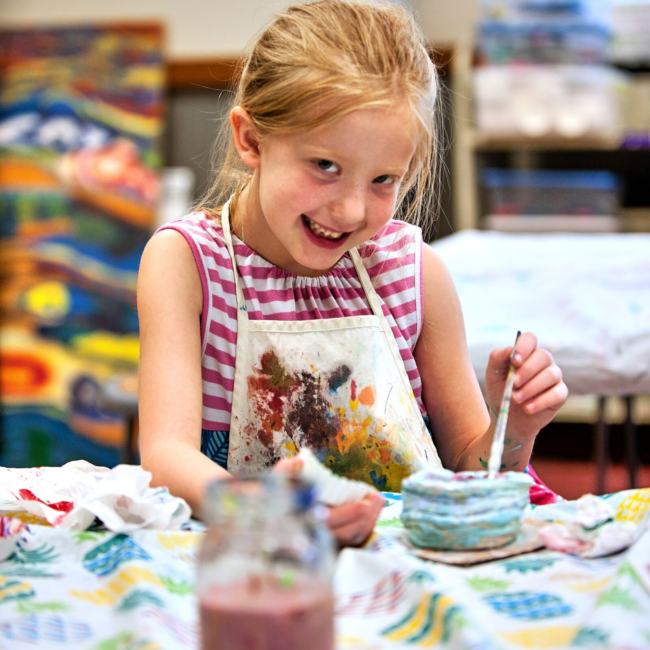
x=337 y=386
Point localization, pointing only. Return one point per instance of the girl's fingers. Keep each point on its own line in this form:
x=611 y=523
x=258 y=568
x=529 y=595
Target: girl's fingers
x=358 y=530
x=354 y=534
x=352 y=520
x=291 y=466
x=552 y=399
x=525 y=346
x=532 y=366
x=500 y=358
x=541 y=382
x=341 y=516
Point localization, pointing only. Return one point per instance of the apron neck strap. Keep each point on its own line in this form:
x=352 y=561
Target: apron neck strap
x=227 y=235
x=366 y=283
x=361 y=270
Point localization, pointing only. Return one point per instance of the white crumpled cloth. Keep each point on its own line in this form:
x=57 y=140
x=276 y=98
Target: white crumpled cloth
x=71 y=496
x=593 y=530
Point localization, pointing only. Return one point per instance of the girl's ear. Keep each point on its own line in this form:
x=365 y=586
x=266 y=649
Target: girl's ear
x=246 y=138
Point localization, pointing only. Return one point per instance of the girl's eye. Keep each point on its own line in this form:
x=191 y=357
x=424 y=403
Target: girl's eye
x=327 y=165
x=384 y=179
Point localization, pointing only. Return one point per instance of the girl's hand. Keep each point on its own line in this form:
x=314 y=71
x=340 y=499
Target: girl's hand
x=538 y=389
x=352 y=523
x=291 y=466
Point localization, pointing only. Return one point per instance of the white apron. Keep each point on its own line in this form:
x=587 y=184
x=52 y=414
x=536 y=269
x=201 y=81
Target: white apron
x=337 y=386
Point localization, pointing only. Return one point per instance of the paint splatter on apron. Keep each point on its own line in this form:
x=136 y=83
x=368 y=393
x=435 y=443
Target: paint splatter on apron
x=337 y=386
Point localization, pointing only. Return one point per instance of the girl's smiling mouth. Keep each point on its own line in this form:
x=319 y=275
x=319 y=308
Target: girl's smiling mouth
x=321 y=236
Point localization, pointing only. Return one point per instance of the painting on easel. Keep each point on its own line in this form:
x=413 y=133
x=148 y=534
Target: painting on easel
x=80 y=124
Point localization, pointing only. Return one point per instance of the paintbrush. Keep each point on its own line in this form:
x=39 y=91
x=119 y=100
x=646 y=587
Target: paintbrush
x=496 y=451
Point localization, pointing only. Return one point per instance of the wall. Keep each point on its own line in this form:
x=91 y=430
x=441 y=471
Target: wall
x=205 y=28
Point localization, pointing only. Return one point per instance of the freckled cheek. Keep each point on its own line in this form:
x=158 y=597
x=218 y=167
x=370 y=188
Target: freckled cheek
x=305 y=196
x=381 y=210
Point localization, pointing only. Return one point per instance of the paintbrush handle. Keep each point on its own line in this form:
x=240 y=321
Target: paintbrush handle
x=496 y=451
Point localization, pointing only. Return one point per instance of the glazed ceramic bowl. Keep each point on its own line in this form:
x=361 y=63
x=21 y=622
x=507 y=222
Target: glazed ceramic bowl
x=463 y=510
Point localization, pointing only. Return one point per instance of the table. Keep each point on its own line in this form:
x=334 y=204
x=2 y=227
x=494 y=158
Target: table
x=106 y=591
x=586 y=297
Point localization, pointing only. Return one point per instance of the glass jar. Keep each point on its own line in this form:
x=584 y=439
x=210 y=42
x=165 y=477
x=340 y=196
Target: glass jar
x=265 y=567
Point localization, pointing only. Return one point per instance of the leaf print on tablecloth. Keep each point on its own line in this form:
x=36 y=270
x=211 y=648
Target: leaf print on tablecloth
x=528 y=605
x=617 y=596
x=430 y=622
x=41 y=555
x=31 y=607
x=139 y=598
x=112 y=590
x=526 y=565
x=181 y=588
x=35 y=629
x=486 y=583
x=395 y=522
x=581 y=582
x=591 y=637
x=183 y=632
x=107 y=557
x=22 y=571
x=81 y=536
x=126 y=641
x=635 y=507
x=382 y=598
x=14 y=590
x=626 y=569
x=559 y=636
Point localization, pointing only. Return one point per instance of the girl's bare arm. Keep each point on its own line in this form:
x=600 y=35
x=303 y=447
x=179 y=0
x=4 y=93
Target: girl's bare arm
x=170 y=301
x=462 y=427
x=450 y=390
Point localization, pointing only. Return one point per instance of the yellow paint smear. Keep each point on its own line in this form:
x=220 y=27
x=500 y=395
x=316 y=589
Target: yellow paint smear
x=291 y=448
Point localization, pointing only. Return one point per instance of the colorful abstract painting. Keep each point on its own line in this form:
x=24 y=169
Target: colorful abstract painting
x=80 y=120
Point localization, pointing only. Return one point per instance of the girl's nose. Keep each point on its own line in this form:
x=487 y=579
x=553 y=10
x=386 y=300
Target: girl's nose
x=349 y=210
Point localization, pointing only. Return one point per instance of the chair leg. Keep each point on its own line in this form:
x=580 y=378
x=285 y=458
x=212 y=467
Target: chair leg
x=602 y=444
x=630 y=442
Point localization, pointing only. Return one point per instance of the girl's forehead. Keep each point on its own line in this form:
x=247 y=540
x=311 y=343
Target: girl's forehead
x=399 y=119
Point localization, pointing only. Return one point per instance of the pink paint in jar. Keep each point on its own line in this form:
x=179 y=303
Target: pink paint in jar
x=265 y=568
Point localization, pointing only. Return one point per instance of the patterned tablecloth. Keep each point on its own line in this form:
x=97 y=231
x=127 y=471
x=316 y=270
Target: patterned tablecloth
x=107 y=591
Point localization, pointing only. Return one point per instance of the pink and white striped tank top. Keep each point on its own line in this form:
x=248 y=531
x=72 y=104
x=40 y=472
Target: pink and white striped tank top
x=394 y=262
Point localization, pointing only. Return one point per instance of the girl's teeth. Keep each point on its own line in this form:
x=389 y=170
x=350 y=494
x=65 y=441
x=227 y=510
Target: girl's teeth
x=315 y=228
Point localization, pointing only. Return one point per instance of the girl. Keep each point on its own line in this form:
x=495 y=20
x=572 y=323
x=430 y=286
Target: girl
x=292 y=308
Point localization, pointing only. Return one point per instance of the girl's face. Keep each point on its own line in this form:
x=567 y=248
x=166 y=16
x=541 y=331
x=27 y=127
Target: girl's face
x=317 y=194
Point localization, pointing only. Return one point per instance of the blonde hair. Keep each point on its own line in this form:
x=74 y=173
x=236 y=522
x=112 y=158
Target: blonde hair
x=320 y=60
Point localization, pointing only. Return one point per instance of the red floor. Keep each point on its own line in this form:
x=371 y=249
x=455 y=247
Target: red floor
x=573 y=478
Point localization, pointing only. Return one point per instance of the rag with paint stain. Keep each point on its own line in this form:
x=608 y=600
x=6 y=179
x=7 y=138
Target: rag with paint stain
x=331 y=490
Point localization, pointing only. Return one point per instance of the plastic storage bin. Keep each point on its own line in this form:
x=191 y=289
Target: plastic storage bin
x=551 y=200
x=538 y=101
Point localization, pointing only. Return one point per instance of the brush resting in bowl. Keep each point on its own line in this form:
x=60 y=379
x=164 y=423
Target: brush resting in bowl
x=458 y=511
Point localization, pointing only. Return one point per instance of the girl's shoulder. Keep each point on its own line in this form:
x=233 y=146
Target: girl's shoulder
x=201 y=230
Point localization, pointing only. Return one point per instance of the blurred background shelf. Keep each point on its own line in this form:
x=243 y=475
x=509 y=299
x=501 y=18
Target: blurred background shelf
x=483 y=142
x=551 y=223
